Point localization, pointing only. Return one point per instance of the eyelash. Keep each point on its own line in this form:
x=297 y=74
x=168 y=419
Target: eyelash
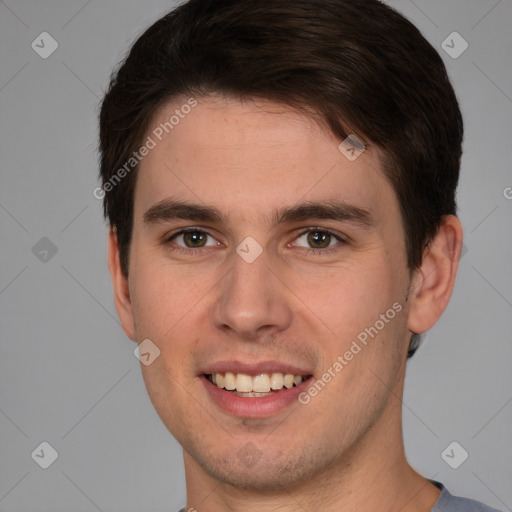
x=328 y=250
x=187 y=250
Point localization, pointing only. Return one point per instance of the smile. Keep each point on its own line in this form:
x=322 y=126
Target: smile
x=254 y=394
x=260 y=385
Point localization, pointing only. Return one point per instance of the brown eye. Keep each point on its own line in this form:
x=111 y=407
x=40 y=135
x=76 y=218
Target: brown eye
x=195 y=238
x=319 y=239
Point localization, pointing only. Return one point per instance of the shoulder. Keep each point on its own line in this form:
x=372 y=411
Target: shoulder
x=449 y=503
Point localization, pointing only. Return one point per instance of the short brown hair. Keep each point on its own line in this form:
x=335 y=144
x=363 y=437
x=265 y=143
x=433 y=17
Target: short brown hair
x=357 y=66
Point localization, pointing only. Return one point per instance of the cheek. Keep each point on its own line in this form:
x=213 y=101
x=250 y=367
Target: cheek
x=164 y=298
x=168 y=308
x=351 y=299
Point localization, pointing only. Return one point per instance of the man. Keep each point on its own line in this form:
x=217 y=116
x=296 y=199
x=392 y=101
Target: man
x=280 y=178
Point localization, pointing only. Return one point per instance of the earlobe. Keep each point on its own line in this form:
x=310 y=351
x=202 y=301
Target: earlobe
x=433 y=282
x=120 y=284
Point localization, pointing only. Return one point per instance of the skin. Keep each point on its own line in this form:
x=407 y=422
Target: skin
x=344 y=449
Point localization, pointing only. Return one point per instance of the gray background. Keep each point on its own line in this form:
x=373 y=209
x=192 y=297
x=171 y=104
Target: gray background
x=68 y=375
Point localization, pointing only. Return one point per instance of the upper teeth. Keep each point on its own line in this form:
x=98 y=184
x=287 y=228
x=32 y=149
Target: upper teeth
x=261 y=383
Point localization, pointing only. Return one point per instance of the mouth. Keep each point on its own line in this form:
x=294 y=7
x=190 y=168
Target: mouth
x=255 y=386
x=255 y=394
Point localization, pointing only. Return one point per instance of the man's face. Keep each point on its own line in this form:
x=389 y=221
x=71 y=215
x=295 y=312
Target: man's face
x=261 y=178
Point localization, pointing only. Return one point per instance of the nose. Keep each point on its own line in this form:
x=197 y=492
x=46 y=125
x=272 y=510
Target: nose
x=252 y=300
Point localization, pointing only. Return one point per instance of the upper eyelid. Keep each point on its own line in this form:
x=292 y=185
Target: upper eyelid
x=322 y=230
x=187 y=230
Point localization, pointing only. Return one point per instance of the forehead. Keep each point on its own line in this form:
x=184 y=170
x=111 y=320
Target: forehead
x=252 y=157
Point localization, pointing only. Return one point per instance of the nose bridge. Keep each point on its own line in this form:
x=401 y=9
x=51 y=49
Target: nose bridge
x=251 y=299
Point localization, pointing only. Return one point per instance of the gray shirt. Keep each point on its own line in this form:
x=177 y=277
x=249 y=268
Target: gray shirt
x=449 y=503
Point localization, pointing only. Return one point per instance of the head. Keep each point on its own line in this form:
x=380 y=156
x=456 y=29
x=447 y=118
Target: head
x=227 y=117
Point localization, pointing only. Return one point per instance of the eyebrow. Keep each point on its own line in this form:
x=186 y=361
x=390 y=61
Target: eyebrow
x=332 y=210
x=170 y=209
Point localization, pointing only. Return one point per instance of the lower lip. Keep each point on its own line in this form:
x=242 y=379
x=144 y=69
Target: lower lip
x=254 y=407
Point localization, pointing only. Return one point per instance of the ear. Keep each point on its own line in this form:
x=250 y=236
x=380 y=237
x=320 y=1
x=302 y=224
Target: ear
x=120 y=284
x=433 y=281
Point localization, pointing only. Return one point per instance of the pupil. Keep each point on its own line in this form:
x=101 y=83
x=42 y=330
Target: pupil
x=194 y=239
x=319 y=239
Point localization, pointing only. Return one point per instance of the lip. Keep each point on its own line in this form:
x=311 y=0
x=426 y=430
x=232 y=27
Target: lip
x=254 y=368
x=255 y=407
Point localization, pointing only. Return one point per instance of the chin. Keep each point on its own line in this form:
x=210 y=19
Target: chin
x=263 y=472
